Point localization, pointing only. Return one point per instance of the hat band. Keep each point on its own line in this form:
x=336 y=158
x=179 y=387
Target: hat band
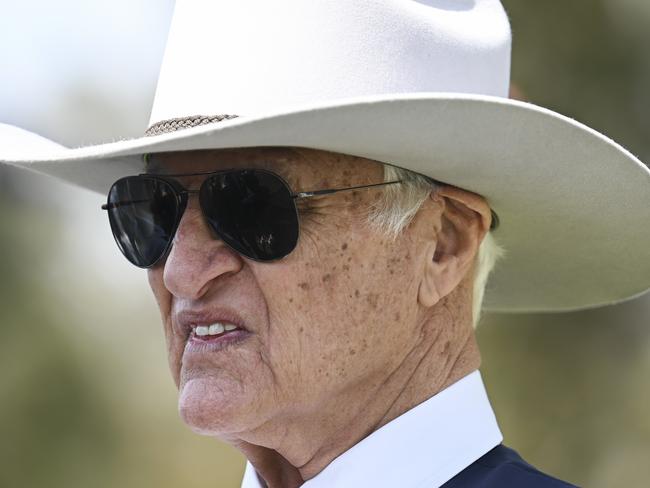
x=172 y=125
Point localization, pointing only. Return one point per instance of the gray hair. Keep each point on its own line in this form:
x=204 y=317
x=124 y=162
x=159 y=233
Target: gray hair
x=399 y=204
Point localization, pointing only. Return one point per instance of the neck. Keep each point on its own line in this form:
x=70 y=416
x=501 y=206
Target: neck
x=305 y=446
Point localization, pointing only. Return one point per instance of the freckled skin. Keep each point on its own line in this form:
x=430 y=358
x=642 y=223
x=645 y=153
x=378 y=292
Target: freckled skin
x=215 y=273
x=326 y=362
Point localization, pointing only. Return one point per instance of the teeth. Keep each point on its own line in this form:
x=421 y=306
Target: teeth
x=214 y=329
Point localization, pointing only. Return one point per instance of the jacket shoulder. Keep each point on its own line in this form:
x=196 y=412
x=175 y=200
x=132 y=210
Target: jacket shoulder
x=502 y=467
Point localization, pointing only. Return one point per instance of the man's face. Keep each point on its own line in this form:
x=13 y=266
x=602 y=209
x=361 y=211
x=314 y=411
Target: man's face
x=327 y=324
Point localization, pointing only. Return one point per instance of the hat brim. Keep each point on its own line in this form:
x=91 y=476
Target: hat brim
x=574 y=206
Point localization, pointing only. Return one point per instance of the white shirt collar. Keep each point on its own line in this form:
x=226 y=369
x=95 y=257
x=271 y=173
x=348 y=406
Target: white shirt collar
x=424 y=447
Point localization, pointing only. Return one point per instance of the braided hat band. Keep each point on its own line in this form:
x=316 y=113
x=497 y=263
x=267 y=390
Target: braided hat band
x=172 y=125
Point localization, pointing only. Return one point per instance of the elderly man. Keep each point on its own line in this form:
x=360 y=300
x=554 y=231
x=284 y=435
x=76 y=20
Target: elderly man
x=369 y=316
x=319 y=244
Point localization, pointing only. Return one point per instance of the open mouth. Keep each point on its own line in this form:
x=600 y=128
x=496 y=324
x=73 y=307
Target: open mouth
x=219 y=333
x=213 y=331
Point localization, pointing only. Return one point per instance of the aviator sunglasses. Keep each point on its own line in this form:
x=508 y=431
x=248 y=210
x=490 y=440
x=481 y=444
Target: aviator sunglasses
x=252 y=210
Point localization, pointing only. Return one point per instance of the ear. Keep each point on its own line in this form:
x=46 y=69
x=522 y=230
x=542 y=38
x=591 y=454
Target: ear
x=464 y=219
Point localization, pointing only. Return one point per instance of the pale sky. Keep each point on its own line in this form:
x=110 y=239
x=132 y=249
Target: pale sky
x=81 y=72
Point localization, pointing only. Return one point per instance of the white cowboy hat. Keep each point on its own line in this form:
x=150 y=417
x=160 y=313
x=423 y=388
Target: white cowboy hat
x=420 y=84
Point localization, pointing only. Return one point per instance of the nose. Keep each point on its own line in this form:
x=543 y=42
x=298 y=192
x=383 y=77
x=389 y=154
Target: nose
x=197 y=258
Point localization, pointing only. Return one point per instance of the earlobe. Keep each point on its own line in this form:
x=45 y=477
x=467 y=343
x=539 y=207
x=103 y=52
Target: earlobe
x=440 y=277
x=462 y=224
x=428 y=294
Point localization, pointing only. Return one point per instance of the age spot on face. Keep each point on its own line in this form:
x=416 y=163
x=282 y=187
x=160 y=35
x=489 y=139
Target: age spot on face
x=304 y=285
x=344 y=246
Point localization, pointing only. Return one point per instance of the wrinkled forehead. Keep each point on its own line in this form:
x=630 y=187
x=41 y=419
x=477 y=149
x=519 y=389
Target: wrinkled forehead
x=296 y=164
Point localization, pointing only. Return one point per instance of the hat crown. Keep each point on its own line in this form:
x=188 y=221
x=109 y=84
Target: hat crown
x=250 y=57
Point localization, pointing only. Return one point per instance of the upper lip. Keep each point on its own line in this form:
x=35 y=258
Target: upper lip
x=186 y=320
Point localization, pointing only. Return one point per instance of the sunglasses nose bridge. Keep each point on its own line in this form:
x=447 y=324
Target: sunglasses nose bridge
x=183 y=201
x=196 y=205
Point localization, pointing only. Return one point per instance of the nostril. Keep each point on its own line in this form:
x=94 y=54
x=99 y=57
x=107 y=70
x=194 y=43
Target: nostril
x=194 y=265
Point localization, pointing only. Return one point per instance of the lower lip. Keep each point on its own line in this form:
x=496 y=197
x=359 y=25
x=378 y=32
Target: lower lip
x=216 y=343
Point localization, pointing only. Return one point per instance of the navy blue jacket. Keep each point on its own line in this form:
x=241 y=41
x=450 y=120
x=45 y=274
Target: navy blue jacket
x=503 y=468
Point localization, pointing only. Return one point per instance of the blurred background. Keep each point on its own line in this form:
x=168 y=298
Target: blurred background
x=86 y=398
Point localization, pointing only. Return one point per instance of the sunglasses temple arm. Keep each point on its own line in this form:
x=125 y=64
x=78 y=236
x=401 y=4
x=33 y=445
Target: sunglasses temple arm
x=108 y=206
x=306 y=194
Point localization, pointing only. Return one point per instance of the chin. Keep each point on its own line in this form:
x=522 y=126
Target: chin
x=208 y=408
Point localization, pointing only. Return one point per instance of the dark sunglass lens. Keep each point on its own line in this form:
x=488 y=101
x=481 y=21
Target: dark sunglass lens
x=252 y=211
x=143 y=213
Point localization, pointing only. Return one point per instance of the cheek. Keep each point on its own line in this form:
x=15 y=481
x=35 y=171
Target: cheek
x=329 y=321
x=164 y=301
x=375 y=300
x=162 y=296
